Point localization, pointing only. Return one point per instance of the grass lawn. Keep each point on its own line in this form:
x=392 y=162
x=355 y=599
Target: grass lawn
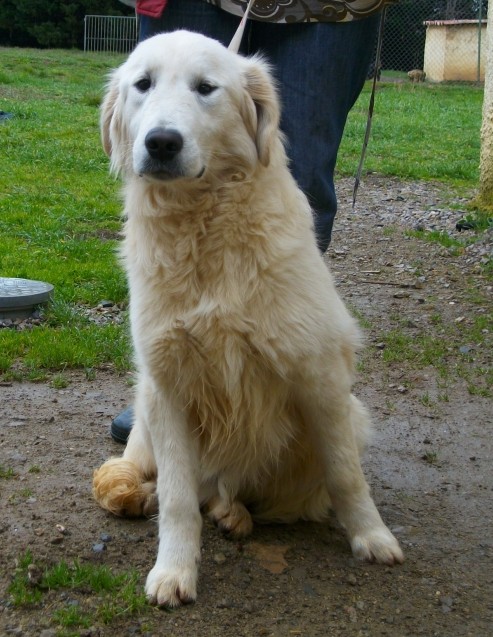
x=59 y=209
x=417 y=132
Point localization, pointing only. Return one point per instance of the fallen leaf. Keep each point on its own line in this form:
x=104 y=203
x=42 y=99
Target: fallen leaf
x=269 y=556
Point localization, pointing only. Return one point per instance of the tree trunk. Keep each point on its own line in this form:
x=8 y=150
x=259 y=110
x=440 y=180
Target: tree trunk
x=486 y=160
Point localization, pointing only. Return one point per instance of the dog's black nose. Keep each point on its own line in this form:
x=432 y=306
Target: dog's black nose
x=163 y=143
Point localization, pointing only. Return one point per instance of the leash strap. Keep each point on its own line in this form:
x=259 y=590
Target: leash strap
x=378 y=57
x=235 y=43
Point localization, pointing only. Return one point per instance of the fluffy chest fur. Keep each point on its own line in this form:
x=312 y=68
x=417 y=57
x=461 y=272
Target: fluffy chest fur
x=207 y=322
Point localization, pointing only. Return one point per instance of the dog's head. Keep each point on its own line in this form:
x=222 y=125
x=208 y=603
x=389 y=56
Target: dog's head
x=182 y=105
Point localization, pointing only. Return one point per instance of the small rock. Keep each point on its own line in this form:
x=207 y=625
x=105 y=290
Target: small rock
x=17 y=457
x=401 y=295
x=34 y=574
x=105 y=537
x=351 y=579
x=90 y=632
x=447 y=603
x=99 y=547
x=396 y=530
x=309 y=590
x=225 y=603
x=219 y=558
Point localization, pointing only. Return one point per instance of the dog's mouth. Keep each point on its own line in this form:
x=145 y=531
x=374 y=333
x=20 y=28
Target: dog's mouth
x=169 y=173
x=159 y=175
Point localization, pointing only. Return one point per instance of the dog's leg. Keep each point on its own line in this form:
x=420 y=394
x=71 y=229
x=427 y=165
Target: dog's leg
x=173 y=579
x=330 y=411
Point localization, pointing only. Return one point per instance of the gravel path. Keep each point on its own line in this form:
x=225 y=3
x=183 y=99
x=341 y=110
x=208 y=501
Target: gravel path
x=429 y=464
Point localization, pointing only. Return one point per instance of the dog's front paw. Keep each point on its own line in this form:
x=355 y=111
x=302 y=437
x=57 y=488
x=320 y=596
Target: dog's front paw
x=232 y=519
x=171 y=589
x=377 y=545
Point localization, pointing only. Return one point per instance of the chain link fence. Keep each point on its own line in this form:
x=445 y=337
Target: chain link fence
x=440 y=40
x=444 y=39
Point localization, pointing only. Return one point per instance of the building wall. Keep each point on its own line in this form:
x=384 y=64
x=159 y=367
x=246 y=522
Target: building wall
x=451 y=51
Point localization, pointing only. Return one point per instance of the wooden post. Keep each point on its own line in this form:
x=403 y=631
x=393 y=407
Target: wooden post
x=486 y=160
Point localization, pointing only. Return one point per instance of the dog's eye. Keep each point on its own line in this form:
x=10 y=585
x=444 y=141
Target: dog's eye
x=205 y=88
x=143 y=85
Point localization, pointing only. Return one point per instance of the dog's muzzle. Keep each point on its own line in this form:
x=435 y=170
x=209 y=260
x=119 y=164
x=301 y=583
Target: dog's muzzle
x=165 y=159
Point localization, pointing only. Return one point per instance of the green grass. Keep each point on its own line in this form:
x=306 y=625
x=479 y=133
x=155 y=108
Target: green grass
x=416 y=133
x=427 y=350
x=440 y=351
x=101 y=595
x=443 y=238
x=60 y=210
x=6 y=474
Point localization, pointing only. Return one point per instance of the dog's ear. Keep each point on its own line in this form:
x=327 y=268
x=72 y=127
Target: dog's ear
x=261 y=88
x=111 y=123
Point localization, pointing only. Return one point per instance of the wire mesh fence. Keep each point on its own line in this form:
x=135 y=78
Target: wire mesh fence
x=444 y=39
x=440 y=40
x=115 y=34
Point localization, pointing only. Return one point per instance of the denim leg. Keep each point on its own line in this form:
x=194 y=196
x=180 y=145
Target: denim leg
x=321 y=70
x=193 y=15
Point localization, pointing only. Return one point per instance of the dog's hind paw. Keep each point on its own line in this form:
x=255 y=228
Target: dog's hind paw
x=377 y=545
x=120 y=487
x=171 y=589
x=232 y=519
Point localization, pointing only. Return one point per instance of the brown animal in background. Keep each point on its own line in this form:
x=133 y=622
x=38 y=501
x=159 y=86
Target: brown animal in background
x=417 y=75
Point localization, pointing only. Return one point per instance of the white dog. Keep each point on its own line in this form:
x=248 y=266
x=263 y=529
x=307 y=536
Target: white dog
x=243 y=347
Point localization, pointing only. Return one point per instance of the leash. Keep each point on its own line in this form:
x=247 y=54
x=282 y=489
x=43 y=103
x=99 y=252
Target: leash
x=235 y=43
x=378 y=57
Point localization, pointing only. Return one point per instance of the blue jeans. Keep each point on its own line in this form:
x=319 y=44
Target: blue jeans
x=321 y=69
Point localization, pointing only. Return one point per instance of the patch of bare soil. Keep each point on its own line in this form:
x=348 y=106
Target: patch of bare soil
x=429 y=466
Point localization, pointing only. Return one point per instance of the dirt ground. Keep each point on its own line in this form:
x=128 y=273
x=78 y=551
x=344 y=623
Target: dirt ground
x=429 y=466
